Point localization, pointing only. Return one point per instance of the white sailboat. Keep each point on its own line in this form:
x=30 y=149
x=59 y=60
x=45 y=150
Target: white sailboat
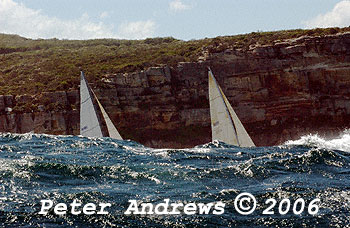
x=89 y=123
x=225 y=124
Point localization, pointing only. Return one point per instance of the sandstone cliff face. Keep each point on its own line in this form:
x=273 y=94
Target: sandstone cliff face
x=279 y=92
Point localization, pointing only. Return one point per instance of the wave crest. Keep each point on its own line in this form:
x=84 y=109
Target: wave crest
x=342 y=142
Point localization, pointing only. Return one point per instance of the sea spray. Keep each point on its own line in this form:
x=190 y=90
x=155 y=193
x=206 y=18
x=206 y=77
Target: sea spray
x=342 y=142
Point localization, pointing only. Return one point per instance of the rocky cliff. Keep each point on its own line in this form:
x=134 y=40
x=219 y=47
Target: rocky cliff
x=279 y=91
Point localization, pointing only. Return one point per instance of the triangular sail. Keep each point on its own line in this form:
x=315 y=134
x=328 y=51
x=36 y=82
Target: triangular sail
x=221 y=123
x=89 y=124
x=112 y=130
x=225 y=124
x=243 y=136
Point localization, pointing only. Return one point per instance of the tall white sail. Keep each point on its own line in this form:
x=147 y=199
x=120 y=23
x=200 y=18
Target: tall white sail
x=89 y=124
x=112 y=130
x=221 y=123
x=225 y=124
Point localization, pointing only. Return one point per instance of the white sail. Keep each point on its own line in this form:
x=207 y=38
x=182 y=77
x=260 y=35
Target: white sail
x=225 y=124
x=112 y=130
x=89 y=124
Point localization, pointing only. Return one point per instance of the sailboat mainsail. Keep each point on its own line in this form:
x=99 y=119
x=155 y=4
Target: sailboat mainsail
x=225 y=124
x=89 y=123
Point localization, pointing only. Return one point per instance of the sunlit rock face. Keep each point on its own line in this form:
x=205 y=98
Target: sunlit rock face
x=279 y=92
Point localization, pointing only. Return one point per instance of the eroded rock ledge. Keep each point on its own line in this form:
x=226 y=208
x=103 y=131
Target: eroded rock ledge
x=279 y=91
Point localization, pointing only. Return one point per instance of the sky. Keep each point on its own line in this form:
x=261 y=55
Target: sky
x=181 y=19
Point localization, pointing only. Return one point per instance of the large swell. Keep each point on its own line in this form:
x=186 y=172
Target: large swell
x=34 y=167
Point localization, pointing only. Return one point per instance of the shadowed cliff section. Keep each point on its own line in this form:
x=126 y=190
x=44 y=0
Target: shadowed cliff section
x=279 y=90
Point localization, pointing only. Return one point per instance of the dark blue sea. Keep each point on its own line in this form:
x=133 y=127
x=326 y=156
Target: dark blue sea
x=36 y=167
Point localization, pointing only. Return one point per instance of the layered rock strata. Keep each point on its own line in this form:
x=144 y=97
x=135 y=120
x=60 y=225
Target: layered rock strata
x=279 y=92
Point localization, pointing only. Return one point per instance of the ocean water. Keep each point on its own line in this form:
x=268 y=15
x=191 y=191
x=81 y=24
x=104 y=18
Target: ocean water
x=36 y=167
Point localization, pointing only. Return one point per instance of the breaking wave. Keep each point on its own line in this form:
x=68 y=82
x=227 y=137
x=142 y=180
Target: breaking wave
x=342 y=142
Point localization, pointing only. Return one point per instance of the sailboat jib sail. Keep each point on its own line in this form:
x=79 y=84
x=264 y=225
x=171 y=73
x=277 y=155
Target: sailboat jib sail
x=225 y=124
x=89 y=124
x=112 y=130
x=243 y=136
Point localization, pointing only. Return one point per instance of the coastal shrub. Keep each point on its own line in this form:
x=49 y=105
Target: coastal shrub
x=36 y=66
x=25 y=108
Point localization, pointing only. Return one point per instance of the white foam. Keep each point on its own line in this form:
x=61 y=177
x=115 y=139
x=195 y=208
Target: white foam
x=342 y=142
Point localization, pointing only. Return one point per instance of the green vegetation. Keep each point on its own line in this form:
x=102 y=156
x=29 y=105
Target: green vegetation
x=25 y=108
x=34 y=66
